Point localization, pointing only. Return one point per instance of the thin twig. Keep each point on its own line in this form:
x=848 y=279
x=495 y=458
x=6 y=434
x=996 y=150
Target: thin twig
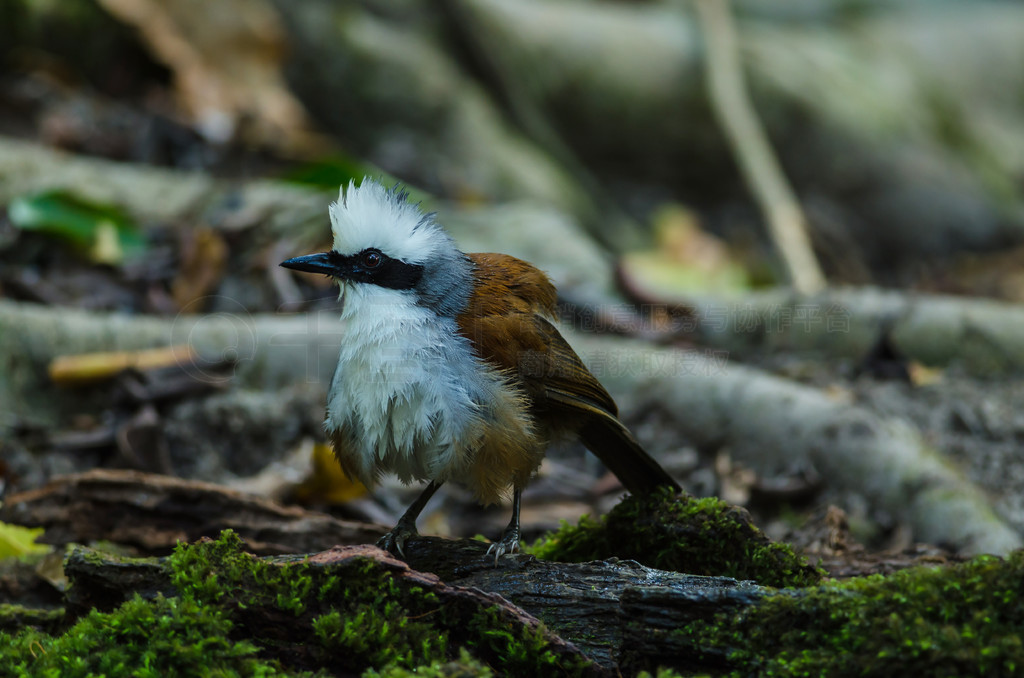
x=761 y=170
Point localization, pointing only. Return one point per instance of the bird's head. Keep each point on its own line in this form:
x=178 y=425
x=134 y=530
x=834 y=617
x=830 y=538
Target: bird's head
x=387 y=248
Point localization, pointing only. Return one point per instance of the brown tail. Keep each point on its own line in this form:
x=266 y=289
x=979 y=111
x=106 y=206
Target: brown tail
x=616 y=447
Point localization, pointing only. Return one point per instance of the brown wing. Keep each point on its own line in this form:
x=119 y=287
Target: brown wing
x=506 y=285
x=506 y=323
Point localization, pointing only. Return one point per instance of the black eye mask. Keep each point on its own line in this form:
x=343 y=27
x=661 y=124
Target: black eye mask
x=369 y=266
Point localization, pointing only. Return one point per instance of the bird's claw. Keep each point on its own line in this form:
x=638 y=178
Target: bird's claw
x=394 y=541
x=509 y=543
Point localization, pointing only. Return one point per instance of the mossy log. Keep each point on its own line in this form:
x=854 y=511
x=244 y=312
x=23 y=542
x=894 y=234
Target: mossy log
x=342 y=611
x=579 y=602
x=353 y=608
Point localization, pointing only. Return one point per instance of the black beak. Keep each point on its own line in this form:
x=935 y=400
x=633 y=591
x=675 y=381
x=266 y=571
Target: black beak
x=313 y=263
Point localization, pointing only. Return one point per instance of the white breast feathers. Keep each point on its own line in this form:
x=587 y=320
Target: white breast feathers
x=406 y=394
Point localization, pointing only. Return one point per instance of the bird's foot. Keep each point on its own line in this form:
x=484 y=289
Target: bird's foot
x=394 y=541
x=509 y=543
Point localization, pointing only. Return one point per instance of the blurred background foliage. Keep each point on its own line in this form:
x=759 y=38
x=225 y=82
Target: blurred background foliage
x=898 y=122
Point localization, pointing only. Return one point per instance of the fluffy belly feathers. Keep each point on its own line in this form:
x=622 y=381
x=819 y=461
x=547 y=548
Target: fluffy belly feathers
x=409 y=397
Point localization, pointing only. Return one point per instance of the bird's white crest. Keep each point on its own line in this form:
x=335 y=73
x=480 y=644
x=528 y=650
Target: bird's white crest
x=371 y=215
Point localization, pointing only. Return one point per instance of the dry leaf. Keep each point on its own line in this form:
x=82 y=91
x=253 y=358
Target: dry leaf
x=685 y=259
x=735 y=480
x=204 y=257
x=922 y=375
x=226 y=58
x=73 y=370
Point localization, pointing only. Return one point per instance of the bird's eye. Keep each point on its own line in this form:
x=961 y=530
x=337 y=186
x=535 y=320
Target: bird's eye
x=372 y=259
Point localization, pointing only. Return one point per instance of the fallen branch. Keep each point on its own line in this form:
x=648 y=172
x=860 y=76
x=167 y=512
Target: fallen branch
x=982 y=336
x=153 y=513
x=770 y=423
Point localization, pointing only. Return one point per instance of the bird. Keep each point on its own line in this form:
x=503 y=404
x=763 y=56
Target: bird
x=451 y=367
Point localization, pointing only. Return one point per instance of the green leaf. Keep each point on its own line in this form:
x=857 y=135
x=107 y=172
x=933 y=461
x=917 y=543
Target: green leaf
x=330 y=171
x=103 y=231
x=16 y=540
x=335 y=170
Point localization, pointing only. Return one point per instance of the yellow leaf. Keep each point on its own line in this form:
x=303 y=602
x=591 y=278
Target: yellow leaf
x=106 y=249
x=922 y=375
x=90 y=367
x=327 y=483
x=16 y=540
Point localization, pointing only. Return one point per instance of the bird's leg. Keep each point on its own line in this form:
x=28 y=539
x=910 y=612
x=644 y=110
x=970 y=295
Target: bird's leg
x=394 y=541
x=509 y=542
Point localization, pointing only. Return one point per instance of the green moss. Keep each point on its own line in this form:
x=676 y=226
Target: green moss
x=681 y=534
x=166 y=636
x=523 y=654
x=363 y=616
x=952 y=621
x=235 y=614
x=665 y=673
x=359 y=621
x=378 y=625
x=464 y=667
x=14 y=617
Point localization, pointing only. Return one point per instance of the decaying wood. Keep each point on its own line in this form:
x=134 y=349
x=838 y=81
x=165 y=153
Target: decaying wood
x=153 y=513
x=579 y=602
x=980 y=336
x=582 y=603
